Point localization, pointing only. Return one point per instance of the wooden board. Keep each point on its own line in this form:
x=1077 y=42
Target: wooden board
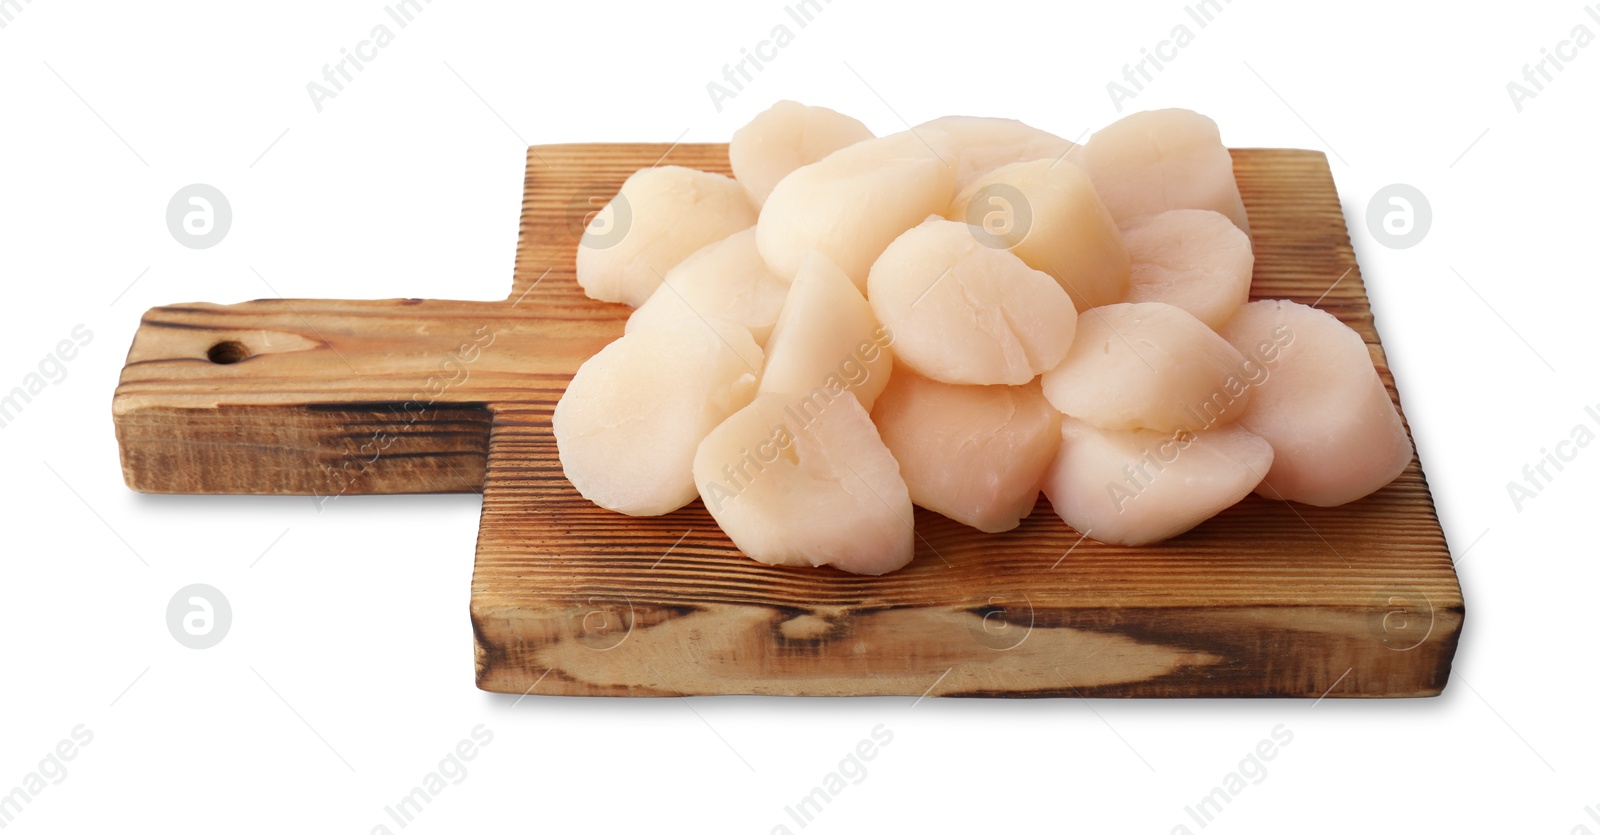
x=403 y=395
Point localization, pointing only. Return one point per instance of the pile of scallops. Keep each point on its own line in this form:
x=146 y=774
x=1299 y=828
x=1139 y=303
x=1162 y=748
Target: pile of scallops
x=957 y=317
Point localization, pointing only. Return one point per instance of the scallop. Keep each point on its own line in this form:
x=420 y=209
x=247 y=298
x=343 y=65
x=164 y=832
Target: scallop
x=723 y=280
x=963 y=312
x=784 y=137
x=1195 y=259
x=1047 y=213
x=631 y=419
x=826 y=341
x=1148 y=366
x=792 y=488
x=1319 y=402
x=1138 y=487
x=976 y=454
x=984 y=143
x=852 y=203
x=659 y=217
x=1158 y=160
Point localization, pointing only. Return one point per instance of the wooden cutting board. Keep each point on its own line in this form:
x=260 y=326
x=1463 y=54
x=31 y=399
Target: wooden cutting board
x=410 y=396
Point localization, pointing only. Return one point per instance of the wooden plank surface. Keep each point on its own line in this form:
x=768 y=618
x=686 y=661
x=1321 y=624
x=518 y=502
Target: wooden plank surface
x=1267 y=599
x=403 y=395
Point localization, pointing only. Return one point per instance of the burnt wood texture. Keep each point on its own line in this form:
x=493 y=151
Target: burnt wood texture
x=328 y=398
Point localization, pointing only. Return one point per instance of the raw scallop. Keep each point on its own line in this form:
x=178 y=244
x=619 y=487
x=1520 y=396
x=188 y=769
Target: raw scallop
x=1319 y=402
x=658 y=218
x=794 y=488
x=984 y=143
x=850 y=205
x=1190 y=258
x=629 y=423
x=1151 y=162
x=1148 y=366
x=784 y=137
x=724 y=280
x=826 y=340
x=1048 y=214
x=976 y=454
x=962 y=312
x=1139 y=487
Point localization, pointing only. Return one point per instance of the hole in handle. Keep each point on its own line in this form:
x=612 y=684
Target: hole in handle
x=227 y=353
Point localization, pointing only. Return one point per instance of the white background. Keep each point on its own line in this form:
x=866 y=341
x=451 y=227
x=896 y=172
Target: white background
x=347 y=674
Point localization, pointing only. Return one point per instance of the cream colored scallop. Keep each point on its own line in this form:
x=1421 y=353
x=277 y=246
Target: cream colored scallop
x=792 y=488
x=1190 y=258
x=976 y=454
x=1148 y=366
x=1158 y=160
x=826 y=340
x=1319 y=402
x=723 y=280
x=1139 y=487
x=853 y=202
x=1049 y=215
x=659 y=217
x=984 y=143
x=630 y=421
x=784 y=137
x=963 y=312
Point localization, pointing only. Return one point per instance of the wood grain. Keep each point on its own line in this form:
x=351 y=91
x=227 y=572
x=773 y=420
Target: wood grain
x=1267 y=599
